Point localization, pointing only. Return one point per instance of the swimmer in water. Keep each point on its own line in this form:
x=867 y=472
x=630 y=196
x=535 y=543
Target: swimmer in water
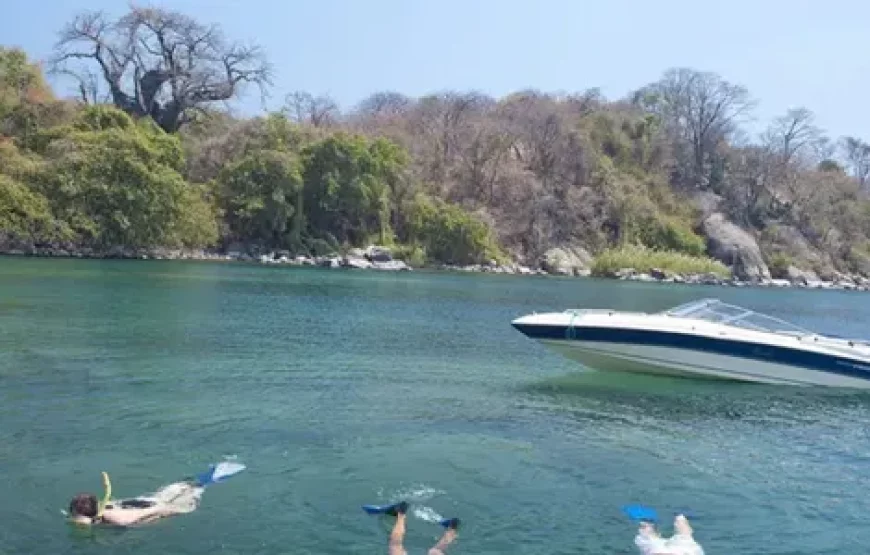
x=650 y=542
x=178 y=498
x=683 y=541
x=397 y=536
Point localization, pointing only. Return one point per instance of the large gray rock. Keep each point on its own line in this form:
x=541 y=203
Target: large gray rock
x=735 y=247
x=378 y=254
x=789 y=241
x=358 y=263
x=707 y=202
x=803 y=277
x=566 y=260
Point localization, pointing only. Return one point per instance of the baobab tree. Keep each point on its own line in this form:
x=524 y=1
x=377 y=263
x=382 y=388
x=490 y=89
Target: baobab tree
x=156 y=63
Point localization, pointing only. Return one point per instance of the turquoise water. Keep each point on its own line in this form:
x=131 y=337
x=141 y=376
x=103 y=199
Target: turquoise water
x=340 y=388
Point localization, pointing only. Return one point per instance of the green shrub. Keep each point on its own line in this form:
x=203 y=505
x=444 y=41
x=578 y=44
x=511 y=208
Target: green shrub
x=450 y=234
x=644 y=259
x=26 y=215
x=669 y=233
x=778 y=264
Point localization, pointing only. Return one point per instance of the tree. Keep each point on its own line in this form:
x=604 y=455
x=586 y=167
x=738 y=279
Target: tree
x=212 y=147
x=858 y=157
x=385 y=103
x=449 y=233
x=157 y=63
x=481 y=146
x=437 y=119
x=262 y=198
x=118 y=182
x=27 y=104
x=700 y=111
x=790 y=146
x=348 y=186
x=317 y=111
x=794 y=136
x=749 y=190
x=25 y=215
x=535 y=121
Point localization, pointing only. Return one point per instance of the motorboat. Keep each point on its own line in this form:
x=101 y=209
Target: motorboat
x=705 y=339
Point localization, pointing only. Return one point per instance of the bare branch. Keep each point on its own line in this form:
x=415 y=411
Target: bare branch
x=793 y=135
x=701 y=111
x=160 y=63
x=857 y=154
x=302 y=107
x=385 y=104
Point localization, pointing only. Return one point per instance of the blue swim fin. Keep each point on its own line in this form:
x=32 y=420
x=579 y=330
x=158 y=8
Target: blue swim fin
x=219 y=472
x=640 y=512
x=379 y=509
x=390 y=509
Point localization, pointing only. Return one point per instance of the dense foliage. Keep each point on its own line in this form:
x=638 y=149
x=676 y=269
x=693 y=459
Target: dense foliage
x=452 y=177
x=644 y=259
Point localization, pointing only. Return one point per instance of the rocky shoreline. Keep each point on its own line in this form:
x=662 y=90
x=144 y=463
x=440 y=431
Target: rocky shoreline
x=380 y=258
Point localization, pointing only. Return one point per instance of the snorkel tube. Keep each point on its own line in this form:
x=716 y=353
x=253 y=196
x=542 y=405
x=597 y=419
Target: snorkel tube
x=107 y=496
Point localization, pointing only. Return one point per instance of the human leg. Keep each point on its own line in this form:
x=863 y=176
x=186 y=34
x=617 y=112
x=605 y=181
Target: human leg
x=397 y=536
x=448 y=538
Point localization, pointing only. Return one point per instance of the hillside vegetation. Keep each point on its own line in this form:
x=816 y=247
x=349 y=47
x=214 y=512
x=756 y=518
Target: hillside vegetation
x=145 y=157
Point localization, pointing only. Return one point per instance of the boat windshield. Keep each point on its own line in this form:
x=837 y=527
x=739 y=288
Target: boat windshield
x=713 y=310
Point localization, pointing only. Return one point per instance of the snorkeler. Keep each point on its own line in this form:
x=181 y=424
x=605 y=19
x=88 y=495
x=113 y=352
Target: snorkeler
x=173 y=499
x=85 y=509
x=397 y=536
x=650 y=542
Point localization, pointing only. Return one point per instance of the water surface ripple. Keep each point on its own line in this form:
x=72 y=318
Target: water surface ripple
x=344 y=388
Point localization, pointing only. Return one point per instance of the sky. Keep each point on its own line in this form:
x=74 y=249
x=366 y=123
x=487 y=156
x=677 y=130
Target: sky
x=787 y=53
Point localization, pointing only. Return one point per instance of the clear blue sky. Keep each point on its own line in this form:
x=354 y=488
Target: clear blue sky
x=787 y=52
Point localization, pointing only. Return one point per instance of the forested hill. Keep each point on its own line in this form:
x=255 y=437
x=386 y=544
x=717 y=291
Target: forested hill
x=146 y=156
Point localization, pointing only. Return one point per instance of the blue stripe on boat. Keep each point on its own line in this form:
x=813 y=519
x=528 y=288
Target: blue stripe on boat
x=752 y=351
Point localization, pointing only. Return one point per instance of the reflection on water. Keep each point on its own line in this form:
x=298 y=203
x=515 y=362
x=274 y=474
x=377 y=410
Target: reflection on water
x=681 y=400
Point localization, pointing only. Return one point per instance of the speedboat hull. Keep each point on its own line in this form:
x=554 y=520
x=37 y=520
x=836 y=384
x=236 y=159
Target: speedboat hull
x=680 y=363
x=673 y=344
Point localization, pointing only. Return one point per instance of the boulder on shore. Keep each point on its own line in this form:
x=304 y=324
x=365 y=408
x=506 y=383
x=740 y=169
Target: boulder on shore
x=569 y=260
x=375 y=253
x=789 y=241
x=358 y=263
x=735 y=247
x=799 y=276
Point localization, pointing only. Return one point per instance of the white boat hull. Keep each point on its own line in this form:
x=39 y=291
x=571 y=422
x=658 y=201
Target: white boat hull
x=669 y=361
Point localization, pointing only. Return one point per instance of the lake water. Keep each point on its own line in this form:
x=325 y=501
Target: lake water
x=340 y=388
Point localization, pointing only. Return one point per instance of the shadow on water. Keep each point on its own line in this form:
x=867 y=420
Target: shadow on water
x=682 y=400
